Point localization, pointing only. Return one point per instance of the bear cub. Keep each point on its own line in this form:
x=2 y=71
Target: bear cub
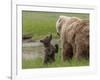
x=49 y=50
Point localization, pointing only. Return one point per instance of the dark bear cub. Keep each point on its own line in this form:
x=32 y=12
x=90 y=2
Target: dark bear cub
x=50 y=50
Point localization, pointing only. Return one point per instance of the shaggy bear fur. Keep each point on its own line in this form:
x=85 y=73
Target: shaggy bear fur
x=50 y=50
x=74 y=34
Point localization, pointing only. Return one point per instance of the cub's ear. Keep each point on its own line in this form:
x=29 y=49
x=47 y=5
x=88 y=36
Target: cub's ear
x=50 y=36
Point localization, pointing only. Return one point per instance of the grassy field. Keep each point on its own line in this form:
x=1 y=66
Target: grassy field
x=40 y=24
x=38 y=63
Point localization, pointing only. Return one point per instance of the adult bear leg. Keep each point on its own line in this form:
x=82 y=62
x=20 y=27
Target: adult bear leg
x=80 y=51
x=67 y=51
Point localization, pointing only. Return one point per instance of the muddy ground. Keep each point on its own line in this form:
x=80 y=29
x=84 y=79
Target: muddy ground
x=33 y=50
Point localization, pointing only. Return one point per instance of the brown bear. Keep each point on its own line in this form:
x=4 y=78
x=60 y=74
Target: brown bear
x=74 y=34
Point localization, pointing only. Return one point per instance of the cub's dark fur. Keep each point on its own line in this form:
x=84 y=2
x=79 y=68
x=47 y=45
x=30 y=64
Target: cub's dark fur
x=50 y=50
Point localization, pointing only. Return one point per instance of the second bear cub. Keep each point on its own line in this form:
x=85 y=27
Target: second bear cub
x=50 y=50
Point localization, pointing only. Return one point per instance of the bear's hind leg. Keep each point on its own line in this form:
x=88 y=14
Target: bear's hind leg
x=79 y=54
x=67 y=52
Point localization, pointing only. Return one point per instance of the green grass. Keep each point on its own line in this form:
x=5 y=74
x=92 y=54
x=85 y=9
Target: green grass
x=39 y=24
x=38 y=63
